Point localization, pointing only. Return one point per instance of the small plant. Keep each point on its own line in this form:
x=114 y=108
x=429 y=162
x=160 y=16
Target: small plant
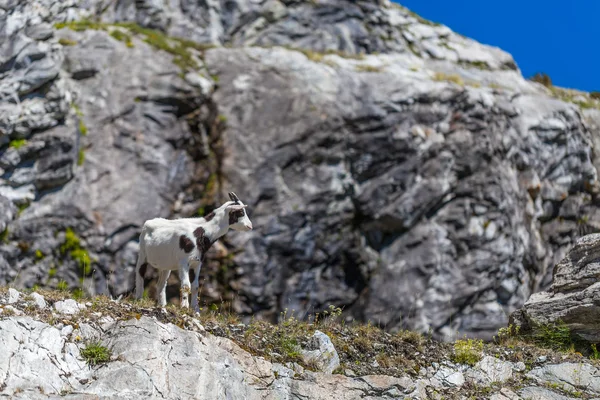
x=542 y=78
x=595 y=354
x=72 y=246
x=595 y=95
x=81 y=157
x=82 y=128
x=556 y=336
x=95 y=353
x=78 y=294
x=17 y=143
x=468 y=351
x=62 y=286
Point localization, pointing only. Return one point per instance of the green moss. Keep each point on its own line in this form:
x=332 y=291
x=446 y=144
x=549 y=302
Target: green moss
x=95 y=353
x=82 y=128
x=81 y=157
x=17 y=143
x=468 y=351
x=72 y=247
x=39 y=255
x=52 y=272
x=215 y=78
x=222 y=119
x=67 y=42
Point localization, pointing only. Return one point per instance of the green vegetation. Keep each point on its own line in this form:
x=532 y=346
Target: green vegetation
x=62 y=286
x=4 y=235
x=122 y=37
x=72 y=247
x=553 y=336
x=95 y=353
x=39 y=255
x=181 y=49
x=82 y=128
x=454 y=78
x=52 y=272
x=17 y=143
x=67 y=42
x=468 y=351
x=81 y=157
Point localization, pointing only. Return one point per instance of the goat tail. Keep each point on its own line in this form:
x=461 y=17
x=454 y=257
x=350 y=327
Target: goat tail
x=140 y=268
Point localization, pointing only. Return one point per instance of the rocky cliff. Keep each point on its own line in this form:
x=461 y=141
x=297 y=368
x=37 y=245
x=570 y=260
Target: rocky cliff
x=392 y=167
x=54 y=347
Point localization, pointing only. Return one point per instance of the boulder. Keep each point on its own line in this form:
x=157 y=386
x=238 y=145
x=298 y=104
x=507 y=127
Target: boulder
x=573 y=297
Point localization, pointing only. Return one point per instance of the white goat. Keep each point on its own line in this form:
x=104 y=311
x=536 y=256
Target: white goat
x=170 y=244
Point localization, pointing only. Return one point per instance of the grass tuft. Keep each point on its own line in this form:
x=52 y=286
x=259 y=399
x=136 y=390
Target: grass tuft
x=468 y=351
x=95 y=353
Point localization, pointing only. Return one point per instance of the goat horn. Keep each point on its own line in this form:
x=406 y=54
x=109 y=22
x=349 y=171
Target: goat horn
x=233 y=197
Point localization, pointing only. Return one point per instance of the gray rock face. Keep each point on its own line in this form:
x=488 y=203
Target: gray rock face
x=429 y=186
x=573 y=296
x=414 y=201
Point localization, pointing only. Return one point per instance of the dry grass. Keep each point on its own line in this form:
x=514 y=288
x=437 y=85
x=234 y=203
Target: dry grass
x=364 y=349
x=454 y=78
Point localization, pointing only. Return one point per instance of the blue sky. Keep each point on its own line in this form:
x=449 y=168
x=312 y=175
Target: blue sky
x=558 y=38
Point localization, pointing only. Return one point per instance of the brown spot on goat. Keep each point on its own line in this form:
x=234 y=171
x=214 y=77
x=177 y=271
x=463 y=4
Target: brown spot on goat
x=209 y=216
x=186 y=244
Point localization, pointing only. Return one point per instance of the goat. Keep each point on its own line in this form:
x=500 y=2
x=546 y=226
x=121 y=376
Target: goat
x=170 y=244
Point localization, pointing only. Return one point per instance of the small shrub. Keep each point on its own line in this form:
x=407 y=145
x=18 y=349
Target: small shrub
x=556 y=336
x=62 y=286
x=542 y=78
x=52 y=272
x=595 y=95
x=72 y=246
x=95 y=353
x=468 y=351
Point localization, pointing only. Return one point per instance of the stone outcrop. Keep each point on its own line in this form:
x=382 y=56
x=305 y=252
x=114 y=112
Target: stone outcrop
x=573 y=297
x=46 y=355
x=392 y=167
